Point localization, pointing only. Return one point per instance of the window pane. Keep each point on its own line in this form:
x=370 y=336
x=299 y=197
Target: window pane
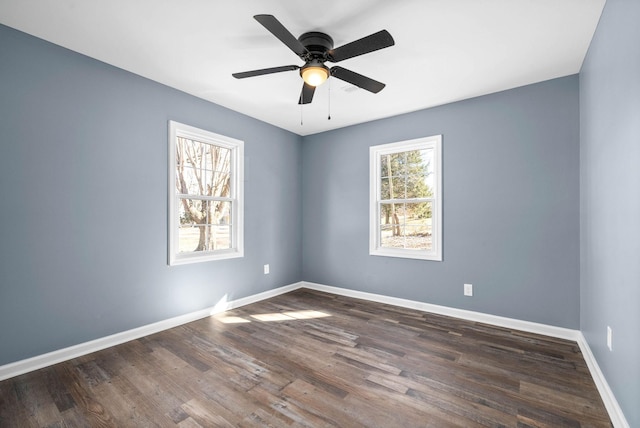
x=407 y=175
x=393 y=186
x=399 y=186
x=203 y=237
x=418 y=230
x=188 y=152
x=220 y=184
x=207 y=161
x=194 y=216
x=419 y=211
x=220 y=237
x=391 y=164
x=388 y=212
x=188 y=181
x=417 y=162
x=406 y=225
x=191 y=211
x=419 y=188
x=220 y=212
x=389 y=222
x=429 y=176
x=218 y=159
x=384 y=189
x=384 y=166
x=188 y=238
x=202 y=168
x=416 y=239
x=394 y=163
x=204 y=225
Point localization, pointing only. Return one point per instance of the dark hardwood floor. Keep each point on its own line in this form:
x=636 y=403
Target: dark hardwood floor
x=312 y=359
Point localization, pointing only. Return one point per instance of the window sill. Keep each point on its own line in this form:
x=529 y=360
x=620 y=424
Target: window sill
x=184 y=259
x=405 y=254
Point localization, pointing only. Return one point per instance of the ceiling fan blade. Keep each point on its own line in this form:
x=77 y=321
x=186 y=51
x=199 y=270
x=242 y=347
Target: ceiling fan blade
x=277 y=29
x=307 y=94
x=262 y=71
x=380 y=40
x=359 y=80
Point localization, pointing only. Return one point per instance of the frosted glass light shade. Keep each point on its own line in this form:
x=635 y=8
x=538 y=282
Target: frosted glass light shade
x=314 y=75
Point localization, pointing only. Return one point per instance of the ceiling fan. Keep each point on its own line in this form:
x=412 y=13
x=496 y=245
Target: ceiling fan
x=316 y=48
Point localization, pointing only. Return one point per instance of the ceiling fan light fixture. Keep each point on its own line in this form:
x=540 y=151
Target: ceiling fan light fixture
x=315 y=48
x=314 y=74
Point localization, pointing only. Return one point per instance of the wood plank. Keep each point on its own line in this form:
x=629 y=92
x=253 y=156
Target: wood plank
x=32 y=392
x=12 y=409
x=201 y=412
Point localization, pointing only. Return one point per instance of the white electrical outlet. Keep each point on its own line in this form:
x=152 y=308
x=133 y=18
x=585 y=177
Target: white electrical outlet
x=266 y=269
x=468 y=289
x=609 y=338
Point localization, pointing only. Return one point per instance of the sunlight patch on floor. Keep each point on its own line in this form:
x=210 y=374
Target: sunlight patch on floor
x=290 y=315
x=301 y=315
x=276 y=316
x=231 y=320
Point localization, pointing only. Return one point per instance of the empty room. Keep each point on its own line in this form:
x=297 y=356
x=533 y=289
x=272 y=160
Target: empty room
x=302 y=214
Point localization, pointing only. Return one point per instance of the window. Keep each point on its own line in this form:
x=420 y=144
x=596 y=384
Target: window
x=205 y=195
x=406 y=199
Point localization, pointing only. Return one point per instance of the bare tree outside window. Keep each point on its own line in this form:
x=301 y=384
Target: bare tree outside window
x=203 y=180
x=206 y=195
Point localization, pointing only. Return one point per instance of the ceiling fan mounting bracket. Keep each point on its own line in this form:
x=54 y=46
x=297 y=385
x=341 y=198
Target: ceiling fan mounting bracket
x=317 y=43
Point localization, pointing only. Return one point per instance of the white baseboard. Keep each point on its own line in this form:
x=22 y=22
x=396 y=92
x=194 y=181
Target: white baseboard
x=615 y=412
x=40 y=361
x=610 y=402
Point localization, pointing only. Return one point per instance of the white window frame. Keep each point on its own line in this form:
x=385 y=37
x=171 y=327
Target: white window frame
x=236 y=198
x=375 y=154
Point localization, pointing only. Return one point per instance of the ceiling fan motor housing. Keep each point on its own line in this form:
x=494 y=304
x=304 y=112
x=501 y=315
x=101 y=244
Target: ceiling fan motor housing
x=318 y=44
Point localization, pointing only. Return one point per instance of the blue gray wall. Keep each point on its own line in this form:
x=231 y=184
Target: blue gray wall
x=511 y=206
x=83 y=185
x=610 y=200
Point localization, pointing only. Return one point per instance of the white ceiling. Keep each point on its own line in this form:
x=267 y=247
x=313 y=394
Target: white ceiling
x=445 y=50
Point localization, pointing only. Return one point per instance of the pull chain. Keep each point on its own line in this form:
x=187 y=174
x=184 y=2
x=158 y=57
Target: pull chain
x=329 y=116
